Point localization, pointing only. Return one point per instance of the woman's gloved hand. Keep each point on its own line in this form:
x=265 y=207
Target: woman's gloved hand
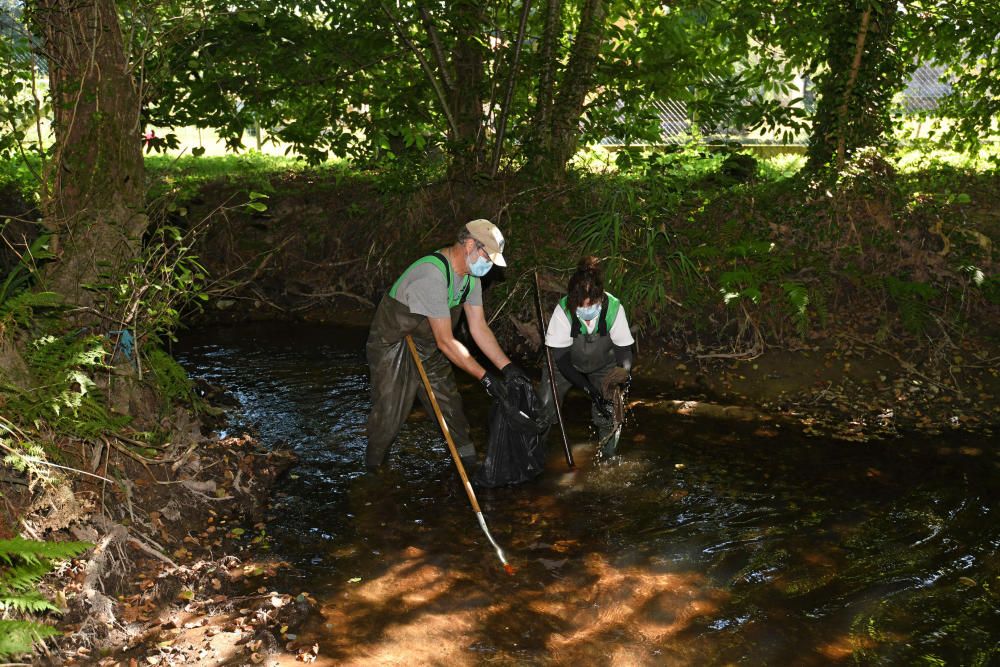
x=616 y=377
x=602 y=404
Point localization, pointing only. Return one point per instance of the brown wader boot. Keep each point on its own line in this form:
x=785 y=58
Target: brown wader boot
x=395 y=380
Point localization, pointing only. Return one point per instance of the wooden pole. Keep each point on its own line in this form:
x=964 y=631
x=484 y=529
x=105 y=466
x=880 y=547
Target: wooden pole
x=454 y=454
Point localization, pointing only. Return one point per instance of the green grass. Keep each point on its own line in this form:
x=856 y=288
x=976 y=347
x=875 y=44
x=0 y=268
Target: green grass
x=185 y=175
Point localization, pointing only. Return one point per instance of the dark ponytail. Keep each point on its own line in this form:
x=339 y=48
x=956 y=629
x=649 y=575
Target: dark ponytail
x=586 y=283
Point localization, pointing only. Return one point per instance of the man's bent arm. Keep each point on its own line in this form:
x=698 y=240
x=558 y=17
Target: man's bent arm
x=483 y=335
x=452 y=348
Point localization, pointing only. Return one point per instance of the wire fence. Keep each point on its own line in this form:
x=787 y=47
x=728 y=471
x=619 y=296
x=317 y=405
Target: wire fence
x=925 y=88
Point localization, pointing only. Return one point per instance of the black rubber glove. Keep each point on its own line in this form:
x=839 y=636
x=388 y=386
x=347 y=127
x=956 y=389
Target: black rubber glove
x=602 y=404
x=511 y=371
x=494 y=386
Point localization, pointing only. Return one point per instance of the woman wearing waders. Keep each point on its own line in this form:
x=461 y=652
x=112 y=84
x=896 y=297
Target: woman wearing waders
x=591 y=346
x=426 y=303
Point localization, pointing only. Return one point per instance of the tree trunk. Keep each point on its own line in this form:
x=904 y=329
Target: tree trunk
x=548 y=53
x=96 y=209
x=864 y=73
x=564 y=132
x=509 y=90
x=467 y=94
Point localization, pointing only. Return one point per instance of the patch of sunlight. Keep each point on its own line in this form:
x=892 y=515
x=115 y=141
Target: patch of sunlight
x=407 y=615
x=781 y=166
x=920 y=159
x=207 y=139
x=629 y=602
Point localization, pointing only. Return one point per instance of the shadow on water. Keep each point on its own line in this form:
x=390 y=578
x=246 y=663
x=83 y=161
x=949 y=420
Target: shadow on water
x=705 y=544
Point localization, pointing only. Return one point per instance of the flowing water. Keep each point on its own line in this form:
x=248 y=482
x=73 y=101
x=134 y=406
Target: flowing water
x=707 y=543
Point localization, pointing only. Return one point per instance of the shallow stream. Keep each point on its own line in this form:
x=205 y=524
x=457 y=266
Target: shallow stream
x=708 y=542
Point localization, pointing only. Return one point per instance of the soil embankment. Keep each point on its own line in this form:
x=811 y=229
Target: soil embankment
x=326 y=251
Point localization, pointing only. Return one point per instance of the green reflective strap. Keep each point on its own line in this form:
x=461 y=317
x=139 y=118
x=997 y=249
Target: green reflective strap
x=613 y=306
x=438 y=260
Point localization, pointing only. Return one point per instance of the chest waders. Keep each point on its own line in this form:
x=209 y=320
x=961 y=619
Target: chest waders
x=593 y=354
x=394 y=377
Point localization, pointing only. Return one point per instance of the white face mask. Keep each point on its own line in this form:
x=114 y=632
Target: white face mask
x=587 y=313
x=479 y=266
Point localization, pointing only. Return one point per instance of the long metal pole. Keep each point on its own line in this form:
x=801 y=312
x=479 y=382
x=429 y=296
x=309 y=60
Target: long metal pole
x=454 y=455
x=552 y=375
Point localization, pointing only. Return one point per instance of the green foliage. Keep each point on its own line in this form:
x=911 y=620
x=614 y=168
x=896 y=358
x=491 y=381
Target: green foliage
x=18 y=637
x=798 y=300
x=627 y=228
x=64 y=390
x=961 y=36
x=913 y=301
x=20 y=175
x=15 y=303
x=23 y=563
x=164 y=279
x=20 y=453
x=20 y=308
x=20 y=103
x=171 y=379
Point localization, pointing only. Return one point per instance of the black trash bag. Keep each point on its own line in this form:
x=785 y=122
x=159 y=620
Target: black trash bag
x=516 y=451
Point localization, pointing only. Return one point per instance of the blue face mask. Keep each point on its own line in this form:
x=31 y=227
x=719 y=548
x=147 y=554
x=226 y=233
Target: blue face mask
x=480 y=267
x=587 y=313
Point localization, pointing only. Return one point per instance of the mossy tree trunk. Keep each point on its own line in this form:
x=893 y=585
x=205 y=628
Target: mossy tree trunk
x=96 y=208
x=558 y=135
x=855 y=93
x=467 y=94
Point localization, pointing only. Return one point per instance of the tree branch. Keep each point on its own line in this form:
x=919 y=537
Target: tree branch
x=511 y=77
x=438 y=90
x=852 y=78
x=446 y=78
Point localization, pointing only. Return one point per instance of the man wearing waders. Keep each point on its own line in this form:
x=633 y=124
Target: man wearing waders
x=426 y=303
x=592 y=349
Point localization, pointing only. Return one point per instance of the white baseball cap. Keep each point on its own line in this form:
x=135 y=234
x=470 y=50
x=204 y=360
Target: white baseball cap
x=489 y=235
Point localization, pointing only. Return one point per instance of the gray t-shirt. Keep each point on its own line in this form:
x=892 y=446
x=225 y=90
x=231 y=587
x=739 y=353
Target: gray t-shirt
x=424 y=291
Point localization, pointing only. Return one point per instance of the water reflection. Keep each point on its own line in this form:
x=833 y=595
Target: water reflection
x=704 y=544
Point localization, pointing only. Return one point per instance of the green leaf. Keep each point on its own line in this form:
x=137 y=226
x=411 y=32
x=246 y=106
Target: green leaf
x=33 y=550
x=31 y=602
x=17 y=637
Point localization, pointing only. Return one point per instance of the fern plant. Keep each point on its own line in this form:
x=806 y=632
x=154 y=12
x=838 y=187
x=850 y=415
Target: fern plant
x=65 y=393
x=23 y=274
x=798 y=300
x=913 y=300
x=23 y=563
x=20 y=453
